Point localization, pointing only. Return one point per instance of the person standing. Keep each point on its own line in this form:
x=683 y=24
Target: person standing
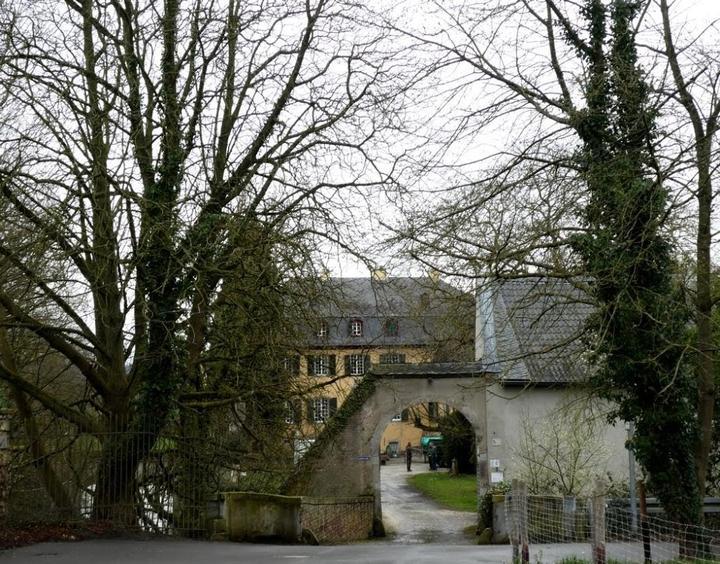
x=432 y=456
x=408 y=456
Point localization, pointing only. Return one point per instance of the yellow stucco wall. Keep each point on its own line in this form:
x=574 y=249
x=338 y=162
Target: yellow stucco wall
x=339 y=386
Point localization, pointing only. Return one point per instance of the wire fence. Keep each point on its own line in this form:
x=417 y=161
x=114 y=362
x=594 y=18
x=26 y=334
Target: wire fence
x=159 y=480
x=603 y=530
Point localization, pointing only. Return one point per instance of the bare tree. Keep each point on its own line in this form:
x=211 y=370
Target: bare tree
x=525 y=61
x=144 y=138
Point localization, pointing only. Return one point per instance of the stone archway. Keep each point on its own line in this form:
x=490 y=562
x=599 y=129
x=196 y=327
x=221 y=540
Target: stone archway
x=344 y=461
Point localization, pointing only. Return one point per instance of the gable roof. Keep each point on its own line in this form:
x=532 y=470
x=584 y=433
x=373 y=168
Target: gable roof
x=535 y=336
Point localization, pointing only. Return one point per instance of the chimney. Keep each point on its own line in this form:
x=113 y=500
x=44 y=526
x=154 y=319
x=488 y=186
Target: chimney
x=485 y=344
x=379 y=274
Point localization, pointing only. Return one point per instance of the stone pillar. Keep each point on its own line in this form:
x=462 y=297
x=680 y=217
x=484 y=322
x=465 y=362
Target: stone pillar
x=4 y=463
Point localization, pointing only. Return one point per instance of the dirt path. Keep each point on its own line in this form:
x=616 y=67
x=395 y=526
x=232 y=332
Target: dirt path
x=412 y=518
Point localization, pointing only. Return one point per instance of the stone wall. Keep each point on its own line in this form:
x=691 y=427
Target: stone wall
x=253 y=516
x=346 y=462
x=337 y=520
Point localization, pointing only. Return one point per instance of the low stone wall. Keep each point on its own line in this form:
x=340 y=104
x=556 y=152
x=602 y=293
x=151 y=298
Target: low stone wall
x=251 y=516
x=334 y=520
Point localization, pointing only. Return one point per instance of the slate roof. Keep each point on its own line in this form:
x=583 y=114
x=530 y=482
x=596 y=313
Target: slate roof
x=422 y=307
x=537 y=330
x=433 y=369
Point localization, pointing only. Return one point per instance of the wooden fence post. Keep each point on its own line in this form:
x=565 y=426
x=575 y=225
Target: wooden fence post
x=523 y=523
x=512 y=513
x=518 y=517
x=644 y=525
x=568 y=518
x=598 y=524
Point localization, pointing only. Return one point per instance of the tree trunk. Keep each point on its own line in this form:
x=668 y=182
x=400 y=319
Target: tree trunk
x=115 y=486
x=703 y=312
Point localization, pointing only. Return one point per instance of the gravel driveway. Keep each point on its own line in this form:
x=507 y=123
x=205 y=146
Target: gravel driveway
x=412 y=518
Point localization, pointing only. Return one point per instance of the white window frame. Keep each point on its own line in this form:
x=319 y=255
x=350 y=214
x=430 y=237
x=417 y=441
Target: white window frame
x=356 y=328
x=289 y=413
x=397 y=418
x=392 y=358
x=321 y=365
x=357 y=364
x=321 y=409
x=322 y=330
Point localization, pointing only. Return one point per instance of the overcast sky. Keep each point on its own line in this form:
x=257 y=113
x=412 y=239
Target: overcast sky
x=689 y=17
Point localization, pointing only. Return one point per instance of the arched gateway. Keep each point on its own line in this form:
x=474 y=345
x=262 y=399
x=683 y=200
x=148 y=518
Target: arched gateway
x=344 y=460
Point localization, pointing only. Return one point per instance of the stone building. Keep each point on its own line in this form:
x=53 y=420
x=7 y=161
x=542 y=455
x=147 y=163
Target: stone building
x=357 y=323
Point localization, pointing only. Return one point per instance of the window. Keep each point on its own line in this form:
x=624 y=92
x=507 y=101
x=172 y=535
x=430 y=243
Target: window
x=321 y=365
x=357 y=364
x=392 y=327
x=321 y=409
x=396 y=418
x=291 y=365
x=392 y=358
x=292 y=412
x=356 y=328
x=322 y=330
x=433 y=411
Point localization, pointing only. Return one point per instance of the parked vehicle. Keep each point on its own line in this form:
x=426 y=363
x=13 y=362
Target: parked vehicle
x=426 y=441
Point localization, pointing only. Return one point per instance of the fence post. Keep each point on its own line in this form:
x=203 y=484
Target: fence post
x=598 y=524
x=518 y=509
x=4 y=463
x=644 y=526
x=512 y=510
x=568 y=518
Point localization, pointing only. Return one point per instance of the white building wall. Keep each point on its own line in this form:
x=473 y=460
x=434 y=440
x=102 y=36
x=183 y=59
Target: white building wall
x=507 y=407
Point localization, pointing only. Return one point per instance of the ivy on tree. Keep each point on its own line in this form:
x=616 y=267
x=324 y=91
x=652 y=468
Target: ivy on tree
x=640 y=324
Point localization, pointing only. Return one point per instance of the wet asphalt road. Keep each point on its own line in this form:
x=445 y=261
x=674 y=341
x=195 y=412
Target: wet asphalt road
x=411 y=518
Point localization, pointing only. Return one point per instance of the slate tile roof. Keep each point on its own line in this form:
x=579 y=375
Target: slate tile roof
x=538 y=325
x=420 y=305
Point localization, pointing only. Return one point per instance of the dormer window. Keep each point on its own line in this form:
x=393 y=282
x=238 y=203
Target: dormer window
x=356 y=328
x=322 y=330
x=392 y=327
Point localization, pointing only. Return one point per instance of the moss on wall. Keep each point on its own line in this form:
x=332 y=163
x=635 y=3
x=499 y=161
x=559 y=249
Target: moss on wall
x=298 y=481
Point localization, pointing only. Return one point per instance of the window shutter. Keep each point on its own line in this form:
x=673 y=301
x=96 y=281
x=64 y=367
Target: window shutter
x=296 y=407
x=310 y=411
x=332 y=406
x=295 y=365
x=349 y=328
x=366 y=364
x=405 y=415
x=333 y=368
x=310 y=365
x=347 y=365
x=401 y=358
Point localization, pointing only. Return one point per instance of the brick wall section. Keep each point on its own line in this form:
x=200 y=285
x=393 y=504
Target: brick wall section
x=334 y=520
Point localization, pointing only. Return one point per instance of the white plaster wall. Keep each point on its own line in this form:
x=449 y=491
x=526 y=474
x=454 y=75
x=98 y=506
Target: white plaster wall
x=508 y=406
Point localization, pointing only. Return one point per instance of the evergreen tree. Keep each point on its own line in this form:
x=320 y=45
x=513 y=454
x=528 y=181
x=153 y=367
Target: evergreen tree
x=640 y=324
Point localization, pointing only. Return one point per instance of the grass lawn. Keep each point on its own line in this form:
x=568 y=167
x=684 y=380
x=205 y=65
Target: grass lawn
x=454 y=492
